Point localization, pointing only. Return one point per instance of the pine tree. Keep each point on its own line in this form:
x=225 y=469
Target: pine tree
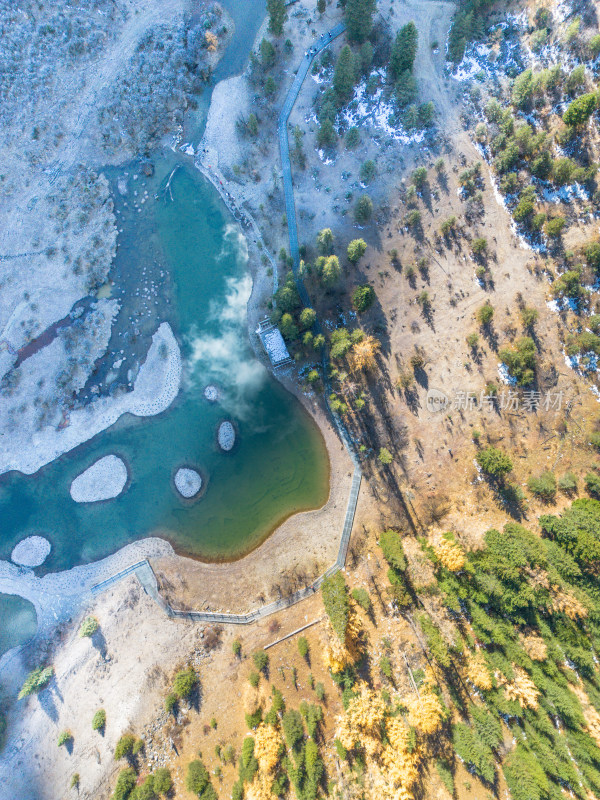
x=277 y=16
x=359 y=19
x=344 y=75
x=404 y=50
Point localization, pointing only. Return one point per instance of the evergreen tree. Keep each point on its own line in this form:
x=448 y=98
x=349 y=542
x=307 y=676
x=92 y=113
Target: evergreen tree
x=404 y=50
x=335 y=600
x=359 y=19
x=344 y=75
x=277 y=16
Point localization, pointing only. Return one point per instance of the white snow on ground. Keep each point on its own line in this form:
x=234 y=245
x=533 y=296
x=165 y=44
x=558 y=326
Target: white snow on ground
x=374 y=109
x=564 y=194
x=226 y=436
x=188 y=482
x=563 y=10
x=105 y=479
x=505 y=375
x=26 y=449
x=31 y=552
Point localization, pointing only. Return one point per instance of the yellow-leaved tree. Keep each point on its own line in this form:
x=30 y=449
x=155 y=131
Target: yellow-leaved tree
x=451 y=555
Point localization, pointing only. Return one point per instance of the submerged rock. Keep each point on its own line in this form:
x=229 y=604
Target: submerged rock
x=188 y=482
x=31 y=552
x=105 y=479
x=226 y=436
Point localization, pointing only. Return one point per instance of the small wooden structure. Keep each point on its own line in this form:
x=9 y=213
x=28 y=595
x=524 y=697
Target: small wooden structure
x=273 y=342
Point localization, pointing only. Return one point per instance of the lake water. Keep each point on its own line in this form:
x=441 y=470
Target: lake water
x=279 y=464
x=19 y=621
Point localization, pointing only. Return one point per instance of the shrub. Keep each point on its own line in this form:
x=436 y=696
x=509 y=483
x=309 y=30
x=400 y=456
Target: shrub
x=197 y=778
x=335 y=599
x=89 y=626
x=330 y=271
x=393 y=552
x=254 y=679
x=236 y=646
x=326 y=135
x=125 y=784
x=356 y=250
x=65 y=737
x=479 y=245
x=554 y=226
x=185 y=683
x=325 y=241
x=473 y=340
x=529 y=317
x=592 y=254
x=385 y=457
x=293 y=727
x=580 y=110
x=36 y=681
x=99 y=720
x=363 y=210
x=568 y=483
x=494 y=462
x=308 y=317
x=303 y=646
x=361 y=596
x=253 y=720
x=363 y=298
x=485 y=314
x=340 y=343
x=171 y=701
x=367 y=171
x=419 y=177
x=520 y=360
x=592 y=484
x=289 y=329
x=125 y=746
x=352 y=139
x=474 y=752
x=543 y=486
x=261 y=660
x=385 y=666
x=163 y=782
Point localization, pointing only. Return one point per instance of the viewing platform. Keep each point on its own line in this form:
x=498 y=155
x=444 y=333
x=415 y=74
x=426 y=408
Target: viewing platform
x=273 y=342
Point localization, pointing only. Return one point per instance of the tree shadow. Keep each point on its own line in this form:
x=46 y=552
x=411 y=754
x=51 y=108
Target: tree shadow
x=47 y=704
x=411 y=397
x=491 y=336
x=99 y=642
x=421 y=377
x=194 y=699
x=442 y=179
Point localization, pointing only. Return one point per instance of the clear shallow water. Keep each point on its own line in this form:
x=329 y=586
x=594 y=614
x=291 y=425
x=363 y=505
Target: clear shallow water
x=18 y=621
x=279 y=464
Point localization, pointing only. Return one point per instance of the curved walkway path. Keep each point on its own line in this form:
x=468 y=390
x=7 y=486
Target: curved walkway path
x=56 y=597
x=142 y=569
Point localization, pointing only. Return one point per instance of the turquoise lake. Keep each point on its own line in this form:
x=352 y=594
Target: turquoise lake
x=279 y=464
x=19 y=621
